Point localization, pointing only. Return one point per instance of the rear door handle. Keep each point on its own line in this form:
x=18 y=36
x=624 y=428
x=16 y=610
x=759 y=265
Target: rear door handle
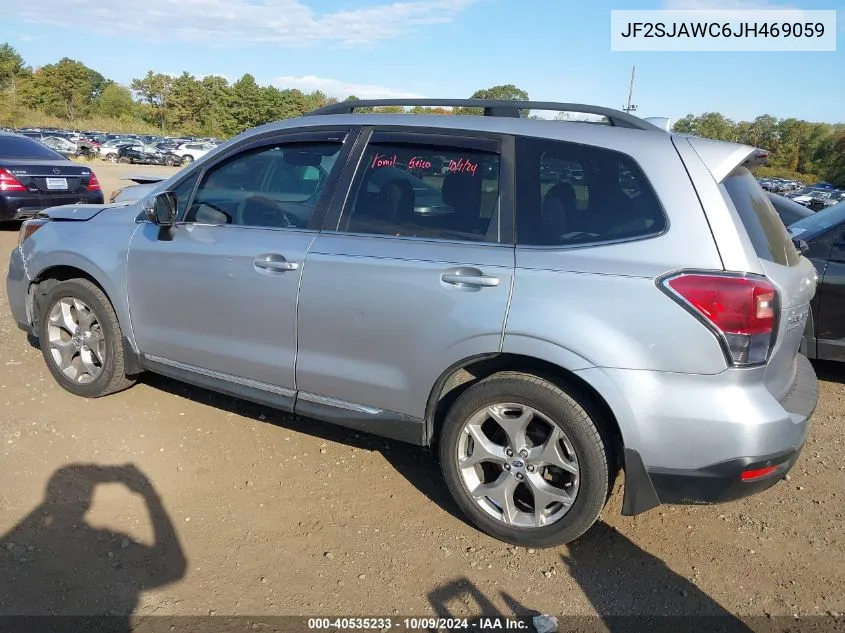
x=274 y=262
x=463 y=277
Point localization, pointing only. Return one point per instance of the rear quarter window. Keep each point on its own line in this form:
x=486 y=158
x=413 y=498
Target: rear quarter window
x=766 y=230
x=569 y=194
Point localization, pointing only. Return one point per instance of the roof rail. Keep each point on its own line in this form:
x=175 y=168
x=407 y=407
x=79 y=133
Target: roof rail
x=493 y=107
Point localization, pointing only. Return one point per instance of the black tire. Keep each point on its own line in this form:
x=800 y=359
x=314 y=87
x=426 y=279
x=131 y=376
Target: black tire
x=111 y=158
x=187 y=159
x=113 y=377
x=570 y=416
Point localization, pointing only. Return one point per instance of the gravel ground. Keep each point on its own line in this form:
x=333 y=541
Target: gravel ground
x=167 y=499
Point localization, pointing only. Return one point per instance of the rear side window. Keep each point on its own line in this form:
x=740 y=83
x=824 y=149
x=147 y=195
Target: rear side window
x=570 y=194
x=767 y=232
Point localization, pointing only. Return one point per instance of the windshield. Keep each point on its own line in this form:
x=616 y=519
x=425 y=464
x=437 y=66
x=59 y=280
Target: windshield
x=820 y=221
x=23 y=147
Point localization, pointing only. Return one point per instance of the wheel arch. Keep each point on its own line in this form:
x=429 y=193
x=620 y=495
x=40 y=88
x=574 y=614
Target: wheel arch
x=466 y=372
x=51 y=275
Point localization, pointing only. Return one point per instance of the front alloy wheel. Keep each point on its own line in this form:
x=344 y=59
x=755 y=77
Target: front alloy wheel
x=81 y=340
x=76 y=340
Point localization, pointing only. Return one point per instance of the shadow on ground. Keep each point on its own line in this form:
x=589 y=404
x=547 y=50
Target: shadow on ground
x=632 y=590
x=54 y=563
x=418 y=465
x=830 y=371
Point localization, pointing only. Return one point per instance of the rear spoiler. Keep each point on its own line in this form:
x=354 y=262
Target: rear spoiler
x=722 y=157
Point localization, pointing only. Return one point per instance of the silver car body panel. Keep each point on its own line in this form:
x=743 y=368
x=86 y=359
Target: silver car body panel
x=364 y=326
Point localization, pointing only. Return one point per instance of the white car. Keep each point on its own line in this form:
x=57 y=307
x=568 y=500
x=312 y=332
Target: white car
x=192 y=151
x=108 y=150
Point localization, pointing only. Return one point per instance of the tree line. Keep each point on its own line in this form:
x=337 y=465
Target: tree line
x=70 y=93
x=798 y=149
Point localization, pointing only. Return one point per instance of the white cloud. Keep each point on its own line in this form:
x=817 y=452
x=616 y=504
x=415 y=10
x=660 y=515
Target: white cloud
x=342 y=89
x=241 y=22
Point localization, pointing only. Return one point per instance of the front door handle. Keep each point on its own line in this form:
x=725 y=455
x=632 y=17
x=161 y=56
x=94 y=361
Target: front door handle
x=274 y=262
x=472 y=277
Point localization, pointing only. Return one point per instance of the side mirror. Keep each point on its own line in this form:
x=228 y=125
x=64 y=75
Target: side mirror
x=161 y=208
x=801 y=245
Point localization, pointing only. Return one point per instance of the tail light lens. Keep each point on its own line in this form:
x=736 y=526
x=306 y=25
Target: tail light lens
x=29 y=227
x=742 y=311
x=93 y=183
x=9 y=183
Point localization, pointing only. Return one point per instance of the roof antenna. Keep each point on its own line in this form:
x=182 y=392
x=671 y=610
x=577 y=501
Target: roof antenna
x=631 y=107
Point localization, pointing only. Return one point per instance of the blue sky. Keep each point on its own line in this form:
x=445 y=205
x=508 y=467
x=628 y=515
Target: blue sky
x=555 y=49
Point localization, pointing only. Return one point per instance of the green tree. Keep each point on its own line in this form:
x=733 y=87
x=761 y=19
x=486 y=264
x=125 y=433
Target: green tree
x=12 y=72
x=505 y=92
x=116 y=102
x=64 y=89
x=217 y=119
x=11 y=65
x=246 y=106
x=186 y=103
x=154 y=91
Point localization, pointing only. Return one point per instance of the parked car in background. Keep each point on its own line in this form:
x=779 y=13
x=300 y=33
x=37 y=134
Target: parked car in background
x=822 y=236
x=60 y=145
x=539 y=338
x=108 y=150
x=816 y=199
x=147 y=155
x=189 y=152
x=34 y=177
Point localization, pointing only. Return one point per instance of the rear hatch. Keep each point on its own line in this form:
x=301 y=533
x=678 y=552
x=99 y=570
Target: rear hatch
x=55 y=178
x=794 y=276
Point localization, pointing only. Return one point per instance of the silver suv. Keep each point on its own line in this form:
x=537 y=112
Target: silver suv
x=548 y=303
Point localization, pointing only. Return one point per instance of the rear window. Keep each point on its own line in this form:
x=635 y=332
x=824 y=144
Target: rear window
x=768 y=234
x=23 y=147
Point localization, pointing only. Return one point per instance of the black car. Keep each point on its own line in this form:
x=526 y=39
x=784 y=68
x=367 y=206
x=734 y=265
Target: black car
x=34 y=177
x=147 y=155
x=821 y=237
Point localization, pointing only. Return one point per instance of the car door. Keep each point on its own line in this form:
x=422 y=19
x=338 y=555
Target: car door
x=411 y=274
x=216 y=295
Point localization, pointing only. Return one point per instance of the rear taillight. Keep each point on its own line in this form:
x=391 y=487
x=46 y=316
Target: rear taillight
x=93 y=183
x=9 y=183
x=741 y=311
x=29 y=227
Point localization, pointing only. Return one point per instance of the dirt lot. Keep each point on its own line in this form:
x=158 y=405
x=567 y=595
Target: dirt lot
x=261 y=513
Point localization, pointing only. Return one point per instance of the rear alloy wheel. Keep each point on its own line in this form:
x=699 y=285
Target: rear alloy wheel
x=112 y=158
x=81 y=341
x=187 y=159
x=524 y=460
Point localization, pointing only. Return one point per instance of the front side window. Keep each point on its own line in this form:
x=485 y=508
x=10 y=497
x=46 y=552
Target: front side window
x=570 y=194
x=434 y=191
x=276 y=186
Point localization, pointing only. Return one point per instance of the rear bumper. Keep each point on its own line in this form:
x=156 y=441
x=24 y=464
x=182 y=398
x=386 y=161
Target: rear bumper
x=19 y=206
x=648 y=486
